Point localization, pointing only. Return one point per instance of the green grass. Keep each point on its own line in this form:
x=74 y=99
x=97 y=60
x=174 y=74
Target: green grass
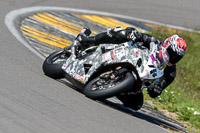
x=183 y=95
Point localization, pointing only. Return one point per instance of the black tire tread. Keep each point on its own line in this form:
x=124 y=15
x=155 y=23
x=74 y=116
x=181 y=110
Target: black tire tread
x=124 y=86
x=53 y=70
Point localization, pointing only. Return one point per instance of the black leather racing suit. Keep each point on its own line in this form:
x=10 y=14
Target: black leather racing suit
x=119 y=35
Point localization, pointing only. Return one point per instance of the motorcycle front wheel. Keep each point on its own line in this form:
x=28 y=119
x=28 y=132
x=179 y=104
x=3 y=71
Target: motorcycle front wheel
x=99 y=88
x=52 y=66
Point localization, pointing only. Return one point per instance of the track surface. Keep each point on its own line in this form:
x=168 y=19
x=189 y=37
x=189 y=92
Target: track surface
x=32 y=102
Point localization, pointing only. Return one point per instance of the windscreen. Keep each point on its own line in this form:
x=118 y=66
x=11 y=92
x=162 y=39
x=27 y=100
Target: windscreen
x=160 y=57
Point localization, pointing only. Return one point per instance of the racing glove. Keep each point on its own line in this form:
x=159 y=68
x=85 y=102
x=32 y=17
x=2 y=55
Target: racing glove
x=83 y=37
x=132 y=34
x=86 y=31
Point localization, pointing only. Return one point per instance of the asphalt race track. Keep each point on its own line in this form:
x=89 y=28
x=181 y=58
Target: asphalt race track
x=30 y=102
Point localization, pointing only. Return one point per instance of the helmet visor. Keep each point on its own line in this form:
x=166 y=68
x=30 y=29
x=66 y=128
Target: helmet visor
x=173 y=56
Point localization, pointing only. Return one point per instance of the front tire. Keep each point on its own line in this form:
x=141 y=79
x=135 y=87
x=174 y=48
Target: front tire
x=52 y=65
x=110 y=89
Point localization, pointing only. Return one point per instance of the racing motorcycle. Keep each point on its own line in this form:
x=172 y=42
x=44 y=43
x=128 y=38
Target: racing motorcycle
x=108 y=70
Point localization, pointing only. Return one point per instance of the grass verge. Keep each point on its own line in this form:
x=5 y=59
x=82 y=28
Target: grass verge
x=183 y=95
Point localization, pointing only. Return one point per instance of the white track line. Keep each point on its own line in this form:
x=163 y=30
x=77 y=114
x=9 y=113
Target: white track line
x=13 y=15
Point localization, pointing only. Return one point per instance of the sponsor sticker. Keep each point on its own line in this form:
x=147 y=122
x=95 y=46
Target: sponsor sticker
x=137 y=52
x=152 y=57
x=106 y=57
x=113 y=56
x=78 y=77
x=64 y=66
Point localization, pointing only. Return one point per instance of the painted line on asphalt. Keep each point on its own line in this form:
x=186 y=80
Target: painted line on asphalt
x=58 y=23
x=106 y=21
x=42 y=28
x=45 y=37
x=75 y=10
x=13 y=15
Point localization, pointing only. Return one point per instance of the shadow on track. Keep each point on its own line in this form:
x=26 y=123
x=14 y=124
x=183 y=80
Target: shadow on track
x=139 y=114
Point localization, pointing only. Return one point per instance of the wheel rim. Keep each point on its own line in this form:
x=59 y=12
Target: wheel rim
x=102 y=84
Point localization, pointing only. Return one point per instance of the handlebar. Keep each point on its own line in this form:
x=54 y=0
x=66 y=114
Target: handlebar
x=75 y=49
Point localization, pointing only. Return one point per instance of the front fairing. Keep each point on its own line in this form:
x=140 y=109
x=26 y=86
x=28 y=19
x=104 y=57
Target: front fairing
x=155 y=63
x=75 y=67
x=113 y=53
x=160 y=57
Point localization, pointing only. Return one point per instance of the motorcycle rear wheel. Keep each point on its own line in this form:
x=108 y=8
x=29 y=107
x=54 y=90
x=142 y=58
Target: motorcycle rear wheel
x=52 y=66
x=109 y=89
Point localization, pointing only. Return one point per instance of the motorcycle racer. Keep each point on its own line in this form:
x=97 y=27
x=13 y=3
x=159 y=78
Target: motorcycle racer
x=175 y=46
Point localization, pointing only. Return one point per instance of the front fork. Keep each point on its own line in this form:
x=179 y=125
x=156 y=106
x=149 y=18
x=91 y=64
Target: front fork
x=74 y=47
x=113 y=73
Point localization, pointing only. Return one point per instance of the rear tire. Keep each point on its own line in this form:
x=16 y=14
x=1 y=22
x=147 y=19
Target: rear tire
x=124 y=84
x=52 y=65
